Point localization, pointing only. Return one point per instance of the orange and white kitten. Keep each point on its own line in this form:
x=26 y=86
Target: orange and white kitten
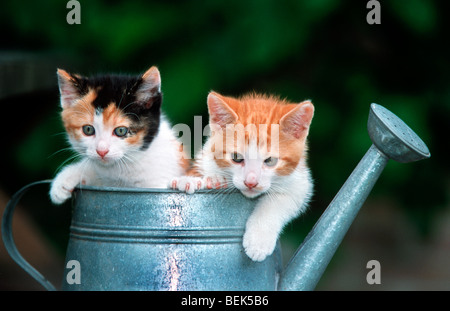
x=257 y=145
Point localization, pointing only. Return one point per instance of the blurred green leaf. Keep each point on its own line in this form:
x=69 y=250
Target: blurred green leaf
x=418 y=15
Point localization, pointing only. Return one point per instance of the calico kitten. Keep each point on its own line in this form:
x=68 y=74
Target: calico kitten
x=258 y=145
x=115 y=124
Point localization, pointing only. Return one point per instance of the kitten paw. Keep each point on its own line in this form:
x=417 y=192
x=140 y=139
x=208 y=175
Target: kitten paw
x=61 y=189
x=215 y=182
x=259 y=243
x=188 y=184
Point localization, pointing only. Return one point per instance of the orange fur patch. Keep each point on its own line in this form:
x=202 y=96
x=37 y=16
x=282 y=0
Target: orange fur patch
x=78 y=114
x=184 y=163
x=113 y=117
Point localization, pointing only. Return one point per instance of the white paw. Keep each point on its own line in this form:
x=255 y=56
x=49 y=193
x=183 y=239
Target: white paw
x=215 y=182
x=188 y=184
x=259 y=242
x=62 y=188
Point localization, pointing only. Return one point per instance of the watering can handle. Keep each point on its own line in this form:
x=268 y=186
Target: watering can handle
x=8 y=239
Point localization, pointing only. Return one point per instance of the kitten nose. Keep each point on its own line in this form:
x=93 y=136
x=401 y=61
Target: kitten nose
x=251 y=181
x=102 y=153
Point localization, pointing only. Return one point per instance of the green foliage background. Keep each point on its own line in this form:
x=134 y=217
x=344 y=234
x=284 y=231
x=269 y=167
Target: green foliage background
x=322 y=50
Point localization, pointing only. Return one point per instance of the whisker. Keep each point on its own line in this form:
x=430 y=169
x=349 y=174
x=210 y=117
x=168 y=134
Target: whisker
x=59 y=151
x=121 y=98
x=221 y=194
x=85 y=105
x=132 y=103
x=71 y=159
x=133 y=114
x=84 y=166
x=120 y=170
x=58 y=134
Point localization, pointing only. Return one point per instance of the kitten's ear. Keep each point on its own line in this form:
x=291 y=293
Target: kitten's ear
x=297 y=121
x=150 y=88
x=67 y=88
x=219 y=111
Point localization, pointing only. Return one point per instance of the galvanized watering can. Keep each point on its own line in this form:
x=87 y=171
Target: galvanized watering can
x=148 y=239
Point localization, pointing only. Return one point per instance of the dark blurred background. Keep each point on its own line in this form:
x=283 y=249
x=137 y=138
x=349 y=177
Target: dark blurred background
x=321 y=50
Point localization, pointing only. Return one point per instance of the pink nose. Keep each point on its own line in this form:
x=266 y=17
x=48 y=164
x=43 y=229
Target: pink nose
x=250 y=185
x=251 y=181
x=102 y=153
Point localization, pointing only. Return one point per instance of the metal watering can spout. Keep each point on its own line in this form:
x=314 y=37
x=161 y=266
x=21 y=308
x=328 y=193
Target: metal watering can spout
x=392 y=139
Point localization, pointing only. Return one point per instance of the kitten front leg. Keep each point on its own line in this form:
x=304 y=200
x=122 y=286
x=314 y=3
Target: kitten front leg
x=65 y=182
x=265 y=224
x=188 y=184
x=215 y=182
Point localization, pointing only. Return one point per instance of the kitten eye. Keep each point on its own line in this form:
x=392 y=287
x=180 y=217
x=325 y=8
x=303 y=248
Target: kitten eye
x=121 y=131
x=271 y=161
x=237 y=157
x=88 y=130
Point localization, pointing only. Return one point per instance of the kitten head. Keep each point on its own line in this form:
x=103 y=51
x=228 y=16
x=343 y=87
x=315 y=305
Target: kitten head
x=257 y=139
x=110 y=118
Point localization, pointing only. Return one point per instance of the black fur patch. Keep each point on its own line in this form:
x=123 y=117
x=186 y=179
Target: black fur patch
x=122 y=90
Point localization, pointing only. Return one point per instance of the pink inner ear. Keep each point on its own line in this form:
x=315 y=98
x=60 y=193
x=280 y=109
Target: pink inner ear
x=150 y=87
x=219 y=112
x=68 y=95
x=297 y=121
x=69 y=92
x=152 y=78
